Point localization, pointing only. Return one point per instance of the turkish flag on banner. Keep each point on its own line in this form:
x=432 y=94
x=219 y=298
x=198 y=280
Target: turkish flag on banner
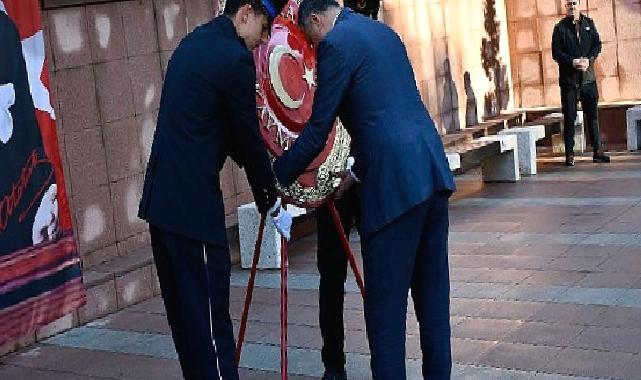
x=40 y=276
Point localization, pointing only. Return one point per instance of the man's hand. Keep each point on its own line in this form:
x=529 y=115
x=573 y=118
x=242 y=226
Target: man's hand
x=585 y=64
x=576 y=63
x=282 y=219
x=347 y=181
x=581 y=64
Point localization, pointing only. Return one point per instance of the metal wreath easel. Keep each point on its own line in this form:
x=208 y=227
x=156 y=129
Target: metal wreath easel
x=283 y=285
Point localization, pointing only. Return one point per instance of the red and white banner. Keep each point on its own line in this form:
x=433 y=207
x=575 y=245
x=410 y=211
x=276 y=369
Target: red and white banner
x=40 y=277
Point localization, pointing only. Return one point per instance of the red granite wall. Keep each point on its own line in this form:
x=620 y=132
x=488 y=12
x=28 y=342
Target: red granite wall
x=107 y=65
x=444 y=39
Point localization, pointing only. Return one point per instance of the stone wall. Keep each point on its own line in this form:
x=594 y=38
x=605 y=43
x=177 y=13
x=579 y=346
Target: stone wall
x=444 y=39
x=107 y=65
x=534 y=72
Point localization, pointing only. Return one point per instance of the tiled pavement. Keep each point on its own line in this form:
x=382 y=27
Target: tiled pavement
x=546 y=284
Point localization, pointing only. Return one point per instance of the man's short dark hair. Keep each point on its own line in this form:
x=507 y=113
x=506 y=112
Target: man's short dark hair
x=259 y=6
x=307 y=7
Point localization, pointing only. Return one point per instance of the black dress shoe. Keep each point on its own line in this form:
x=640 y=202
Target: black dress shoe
x=569 y=160
x=600 y=158
x=334 y=375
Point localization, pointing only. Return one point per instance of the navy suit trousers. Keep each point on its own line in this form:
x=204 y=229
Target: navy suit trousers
x=410 y=254
x=194 y=281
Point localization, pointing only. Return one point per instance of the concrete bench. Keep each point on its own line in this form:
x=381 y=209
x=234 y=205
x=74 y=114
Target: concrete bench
x=509 y=119
x=633 y=116
x=484 y=128
x=526 y=141
x=503 y=167
x=454 y=160
x=496 y=155
x=553 y=123
x=248 y=223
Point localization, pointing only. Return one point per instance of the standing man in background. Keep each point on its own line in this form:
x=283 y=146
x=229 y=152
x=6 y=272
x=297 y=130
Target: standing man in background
x=207 y=113
x=575 y=46
x=365 y=78
x=368 y=8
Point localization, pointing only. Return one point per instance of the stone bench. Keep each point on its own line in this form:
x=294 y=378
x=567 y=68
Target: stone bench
x=454 y=160
x=633 y=116
x=496 y=155
x=553 y=124
x=504 y=166
x=248 y=223
x=526 y=141
x=510 y=119
x=484 y=128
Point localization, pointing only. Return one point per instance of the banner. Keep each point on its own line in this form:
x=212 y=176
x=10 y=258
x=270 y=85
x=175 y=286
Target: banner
x=40 y=276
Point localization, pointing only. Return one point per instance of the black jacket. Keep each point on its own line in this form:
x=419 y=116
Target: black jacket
x=368 y=8
x=207 y=113
x=566 y=47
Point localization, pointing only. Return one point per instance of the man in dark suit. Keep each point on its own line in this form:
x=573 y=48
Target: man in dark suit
x=331 y=259
x=207 y=113
x=575 y=46
x=365 y=77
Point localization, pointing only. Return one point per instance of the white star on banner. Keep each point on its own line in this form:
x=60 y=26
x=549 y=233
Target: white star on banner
x=7 y=99
x=33 y=49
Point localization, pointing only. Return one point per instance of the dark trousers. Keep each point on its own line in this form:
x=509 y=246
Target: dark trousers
x=409 y=254
x=588 y=95
x=332 y=266
x=194 y=281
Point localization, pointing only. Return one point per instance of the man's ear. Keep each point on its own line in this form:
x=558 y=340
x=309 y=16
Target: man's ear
x=243 y=12
x=314 y=19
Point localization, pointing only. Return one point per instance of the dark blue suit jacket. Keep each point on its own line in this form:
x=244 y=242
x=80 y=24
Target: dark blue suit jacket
x=207 y=113
x=365 y=77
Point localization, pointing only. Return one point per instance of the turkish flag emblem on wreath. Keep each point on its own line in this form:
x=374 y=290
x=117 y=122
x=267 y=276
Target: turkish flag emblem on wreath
x=286 y=75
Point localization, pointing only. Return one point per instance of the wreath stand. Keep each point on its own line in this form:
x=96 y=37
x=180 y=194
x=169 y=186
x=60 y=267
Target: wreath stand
x=283 y=285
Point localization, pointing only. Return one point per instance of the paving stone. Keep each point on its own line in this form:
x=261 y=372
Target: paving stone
x=620 y=317
x=464 y=274
x=552 y=277
x=519 y=356
x=609 y=280
x=485 y=329
x=559 y=335
x=104 y=364
x=535 y=293
x=22 y=373
x=590 y=296
x=473 y=290
x=575 y=263
x=590 y=363
x=132 y=321
x=509 y=309
x=609 y=339
x=466 y=307
x=467 y=351
x=504 y=276
x=630 y=298
x=569 y=314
